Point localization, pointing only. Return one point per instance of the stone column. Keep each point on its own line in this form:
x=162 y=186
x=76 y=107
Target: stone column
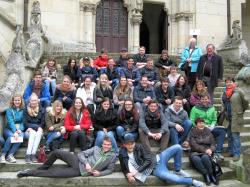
x=136 y=20
x=87 y=26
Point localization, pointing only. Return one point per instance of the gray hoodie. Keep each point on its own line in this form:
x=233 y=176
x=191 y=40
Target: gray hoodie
x=174 y=117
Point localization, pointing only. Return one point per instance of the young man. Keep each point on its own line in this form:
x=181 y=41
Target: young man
x=137 y=164
x=95 y=161
x=41 y=89
x=178 y=121
x=140 y=58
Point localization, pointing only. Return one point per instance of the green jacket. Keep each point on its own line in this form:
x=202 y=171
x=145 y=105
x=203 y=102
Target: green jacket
x=208 y=114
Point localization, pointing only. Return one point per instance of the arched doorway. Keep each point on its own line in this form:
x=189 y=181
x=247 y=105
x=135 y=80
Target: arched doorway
x=111 y=25
x=154 y=26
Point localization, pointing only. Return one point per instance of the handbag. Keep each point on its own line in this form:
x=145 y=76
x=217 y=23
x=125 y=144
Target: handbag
x=41 y=157
x=221 y=117
x=217 y=171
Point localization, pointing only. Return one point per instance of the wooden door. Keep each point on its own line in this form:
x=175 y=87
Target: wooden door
x=111 y=25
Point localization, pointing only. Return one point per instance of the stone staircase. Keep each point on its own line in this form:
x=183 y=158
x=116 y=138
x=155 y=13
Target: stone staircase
x=229 y=178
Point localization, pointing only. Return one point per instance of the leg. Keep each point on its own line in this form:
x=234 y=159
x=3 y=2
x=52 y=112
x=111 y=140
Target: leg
x=206 y=161
x=99 y=138
x=120 y=131
x=52 y=136
x=230 y=140
x=82 y=139
x=187 y=125
x=15 y=146
x=114 y=144
x=198 y=164
x=164 y=141
x=1 y=141
x=7 y=145
x=73 y=141
x=31 y=136
x=53 y=85
x=219 y=135
x=236 y=144
x=174 y=136
x=38 y=136
x=144 y=140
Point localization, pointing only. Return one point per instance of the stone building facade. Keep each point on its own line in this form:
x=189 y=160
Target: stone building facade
x=113 y=24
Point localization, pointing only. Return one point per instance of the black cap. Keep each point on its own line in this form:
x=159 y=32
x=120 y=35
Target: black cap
x=129 y=138
x=124 y=49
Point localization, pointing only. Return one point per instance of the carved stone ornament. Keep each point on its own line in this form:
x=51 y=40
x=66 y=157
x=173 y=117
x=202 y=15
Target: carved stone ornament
x=22 y=57
x=182 y=16
x=134 y=6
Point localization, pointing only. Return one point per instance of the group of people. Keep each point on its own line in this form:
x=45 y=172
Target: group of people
x=115 y=102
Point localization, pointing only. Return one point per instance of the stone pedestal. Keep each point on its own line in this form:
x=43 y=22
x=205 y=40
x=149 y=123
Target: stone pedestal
x=246 y=166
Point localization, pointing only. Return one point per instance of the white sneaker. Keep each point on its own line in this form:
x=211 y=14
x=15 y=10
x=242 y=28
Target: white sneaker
x=198 y=183
x=11 y=159
x=2 y=159
x=183 y=173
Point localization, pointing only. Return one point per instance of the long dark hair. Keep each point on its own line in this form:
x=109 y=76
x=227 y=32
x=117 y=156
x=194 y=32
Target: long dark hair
x=69 y=62
x=73 y=110
x=135 y=111
x=177 y=84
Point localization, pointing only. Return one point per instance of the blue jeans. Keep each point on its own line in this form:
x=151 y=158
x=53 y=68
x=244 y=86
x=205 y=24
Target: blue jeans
x=2 y=141
x=9 y=147
x=53 y=85
x=179 y=137
x=120 y=131
x=161 y=170
x=52 y=136
x=234 y=143
x=100 y=136
x=219 y=134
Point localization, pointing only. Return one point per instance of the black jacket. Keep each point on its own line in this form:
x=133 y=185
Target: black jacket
x=216 y=68
x=34 y=122
x=184 y=92
x=160 y=63
x=106 y=120
x=161 y=96
x=72 y=74
x=143 y=158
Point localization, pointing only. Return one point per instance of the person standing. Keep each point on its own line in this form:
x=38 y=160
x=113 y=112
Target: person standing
x=189 y=61
x=210 y=69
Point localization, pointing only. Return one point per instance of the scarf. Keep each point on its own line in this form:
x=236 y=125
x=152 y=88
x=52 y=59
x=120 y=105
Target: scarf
x=37 y=87
x=51 y=68
x=229 y=90
x=33 y=112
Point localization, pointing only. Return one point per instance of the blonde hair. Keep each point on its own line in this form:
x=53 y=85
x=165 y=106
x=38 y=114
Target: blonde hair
x=12 y=105
x=54 y=105
x=107 y=86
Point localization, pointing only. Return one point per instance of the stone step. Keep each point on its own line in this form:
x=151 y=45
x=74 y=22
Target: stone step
x=21 y=165
x=9 y=179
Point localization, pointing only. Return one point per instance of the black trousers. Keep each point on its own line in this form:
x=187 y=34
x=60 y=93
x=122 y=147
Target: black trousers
x=72 y=169
x=77 y=136
x=202 y=163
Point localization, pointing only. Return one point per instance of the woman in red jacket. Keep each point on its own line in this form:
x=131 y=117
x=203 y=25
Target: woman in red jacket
x=77 y=124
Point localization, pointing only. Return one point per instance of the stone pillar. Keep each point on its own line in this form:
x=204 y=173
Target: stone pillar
x=136 y=20
x=87 y=26
x=246 y=166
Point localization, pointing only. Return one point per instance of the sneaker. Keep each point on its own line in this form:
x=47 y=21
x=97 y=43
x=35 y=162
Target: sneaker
x=11 y=159
x=33 y=158
x=47 y=149
x=27 y=159
x=236 y=158
x=3 y=161
x=198 y=183
x=219 y=156
x=182 y=173
x=24 y=173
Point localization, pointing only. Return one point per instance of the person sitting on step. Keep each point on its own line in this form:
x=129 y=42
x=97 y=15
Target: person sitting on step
x=96 y=161
x=137 y=164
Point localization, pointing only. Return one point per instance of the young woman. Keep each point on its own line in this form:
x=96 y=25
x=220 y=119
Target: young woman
x=105 y=122
x=86 y=92
x=235 y=105
x=65 y=92
x=49 y=73
x=128 y=120
x=14 y=129
x=77 y=124
x=34 y=122
x=121 y=92
x=54 y=120
x=182 y=89
x=173 y=75
x=102 y=90
x=71 y=70
x=199 y=89
x=202 y=145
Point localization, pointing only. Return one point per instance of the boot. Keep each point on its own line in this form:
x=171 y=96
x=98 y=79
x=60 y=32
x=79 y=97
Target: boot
x=207 y=179
x=214 y=179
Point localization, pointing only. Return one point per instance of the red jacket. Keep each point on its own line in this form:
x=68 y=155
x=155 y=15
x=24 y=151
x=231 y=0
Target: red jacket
x=85 y=122
x=100 y=62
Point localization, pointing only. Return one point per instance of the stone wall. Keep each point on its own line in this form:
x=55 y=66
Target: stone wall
x=246 y=23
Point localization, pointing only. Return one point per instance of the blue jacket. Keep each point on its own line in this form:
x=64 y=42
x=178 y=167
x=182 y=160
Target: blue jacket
x=195 y=57
x=140 y=93
x=13 y=117
x=44 y=96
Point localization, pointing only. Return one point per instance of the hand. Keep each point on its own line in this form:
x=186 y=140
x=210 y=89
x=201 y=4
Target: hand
x=130 y=177
x=105 y=130
x=185 y=144
x=168 y=101
x=88 y=168
x=110 y=82
x=158 y=136
x=40 y=129
x=64 y=98
x=15 y=135
x=51 y=128
x=133 y=173
x=179 y=128
x=95 y=173
x=77 y=127
x=209 y=152
x=184 y=101
x=63 y=130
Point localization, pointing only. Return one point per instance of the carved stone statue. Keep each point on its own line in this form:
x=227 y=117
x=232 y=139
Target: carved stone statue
x=23 y=57
x=135 y=6
x=235 y=38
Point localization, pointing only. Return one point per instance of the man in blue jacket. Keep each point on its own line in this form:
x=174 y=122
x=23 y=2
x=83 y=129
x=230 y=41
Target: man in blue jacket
x=38 y=86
